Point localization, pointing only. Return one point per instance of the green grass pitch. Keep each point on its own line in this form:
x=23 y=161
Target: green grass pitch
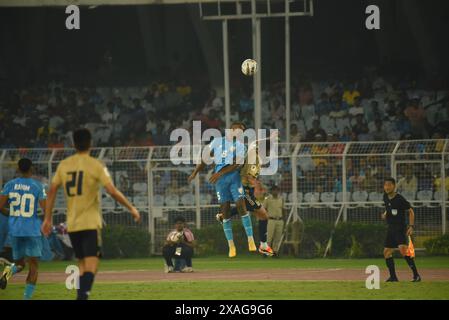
x=241 y=289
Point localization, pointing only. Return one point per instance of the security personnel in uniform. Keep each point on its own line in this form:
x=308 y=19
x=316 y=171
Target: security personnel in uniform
x=275 y=208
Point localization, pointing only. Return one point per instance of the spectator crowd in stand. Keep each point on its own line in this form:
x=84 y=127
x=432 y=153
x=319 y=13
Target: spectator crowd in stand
x=371 y=109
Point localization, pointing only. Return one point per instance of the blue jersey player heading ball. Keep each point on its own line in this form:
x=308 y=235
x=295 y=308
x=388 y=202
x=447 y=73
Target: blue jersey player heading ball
x=229 y=155
x=24 y=195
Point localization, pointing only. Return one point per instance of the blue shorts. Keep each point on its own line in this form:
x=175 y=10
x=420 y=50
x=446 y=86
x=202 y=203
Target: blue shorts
x=3 y=241
x=229 y=187
x=26 y=247
x=3 y=231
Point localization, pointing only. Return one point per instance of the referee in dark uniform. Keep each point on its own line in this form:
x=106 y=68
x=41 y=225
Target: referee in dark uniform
x=396 y=208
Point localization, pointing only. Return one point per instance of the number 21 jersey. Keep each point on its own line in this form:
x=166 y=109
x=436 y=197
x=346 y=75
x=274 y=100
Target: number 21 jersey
x=81 y=176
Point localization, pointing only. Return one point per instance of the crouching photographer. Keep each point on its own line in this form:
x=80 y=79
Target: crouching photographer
x=179 y=247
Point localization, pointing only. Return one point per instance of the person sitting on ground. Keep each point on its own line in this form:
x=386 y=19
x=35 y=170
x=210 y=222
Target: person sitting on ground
x=179 y=245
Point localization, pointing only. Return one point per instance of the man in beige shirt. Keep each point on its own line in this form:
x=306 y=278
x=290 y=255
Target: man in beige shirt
x=275 y=207
x=409 y=183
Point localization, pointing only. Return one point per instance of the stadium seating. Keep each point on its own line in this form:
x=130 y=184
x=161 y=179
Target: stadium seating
x=312 y=197
x=328 y=197
x=141 y=201
x=188 y=199
x=172 y=200
x=299 y=197
x=437 y=195
x=140 y=187
x=409 y=195
x=205 y=198
x=424 y=196
x=376 y=197
x=360 y=197
x=158 y=200
x=108 y=202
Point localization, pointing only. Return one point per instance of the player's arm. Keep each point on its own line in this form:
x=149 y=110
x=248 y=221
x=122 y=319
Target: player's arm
x=43 y=205
x=49 y=205
x=3 y=201
x=197 y=169
x=383 y=215
x=214 y=178
x=411 y=217
x=190 y=244
x=120 y=198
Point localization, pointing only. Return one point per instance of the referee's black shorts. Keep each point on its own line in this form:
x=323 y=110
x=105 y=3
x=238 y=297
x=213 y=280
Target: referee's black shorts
x=396 y=236
x=86 y=243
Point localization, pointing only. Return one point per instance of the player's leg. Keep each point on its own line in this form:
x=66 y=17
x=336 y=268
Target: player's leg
x=224 y=197
x=227 y=228
x=388 y=255
x=410 y=262
x=33 y=265
x=270 y=231
x=238 y=196
x=88 y=276
x=168 y=252
x=187 y=254
x=246 y=222
x=262 y=216
x=6 y=256
x=18 y=245
x=33 y=251
x=219 y=216
x=277 y=234
x=390 y=244
x=86 y=245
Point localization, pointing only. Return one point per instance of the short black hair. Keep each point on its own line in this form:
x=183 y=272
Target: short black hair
x=392 y=180
x=274 y=187
x=82 y=139
x=25 y=165
x=180 y=219
x=239 y=123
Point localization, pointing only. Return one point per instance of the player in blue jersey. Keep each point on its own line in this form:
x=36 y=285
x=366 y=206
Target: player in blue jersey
x=24 y=195
x=229 y=155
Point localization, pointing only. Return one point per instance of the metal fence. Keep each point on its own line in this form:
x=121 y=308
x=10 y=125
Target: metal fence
x=320 y=180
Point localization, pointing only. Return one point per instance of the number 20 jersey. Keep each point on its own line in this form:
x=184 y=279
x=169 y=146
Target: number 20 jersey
x=81 y=177
x=24 y=195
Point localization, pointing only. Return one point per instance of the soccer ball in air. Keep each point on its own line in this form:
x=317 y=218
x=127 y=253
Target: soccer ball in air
x=249 y=67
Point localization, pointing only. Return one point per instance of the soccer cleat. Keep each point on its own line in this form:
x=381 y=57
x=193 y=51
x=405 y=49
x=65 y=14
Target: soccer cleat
x=266 y=250
x=7 y=274
x=219 y=217
x=187 y=270
x=392 y=279
x=251 y=245
x=232 y=252
x=417 y=279
x=168 y=269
